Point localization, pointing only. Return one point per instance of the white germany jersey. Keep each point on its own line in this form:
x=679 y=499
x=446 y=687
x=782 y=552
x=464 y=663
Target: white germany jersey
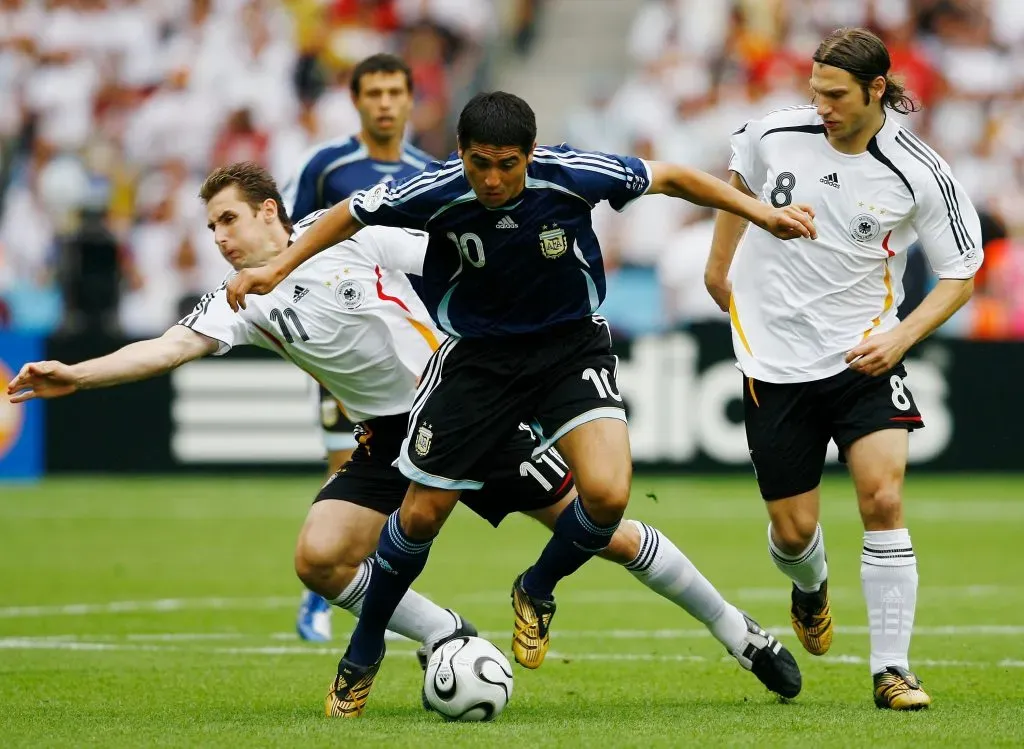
x=348 y=316
x=799 y=306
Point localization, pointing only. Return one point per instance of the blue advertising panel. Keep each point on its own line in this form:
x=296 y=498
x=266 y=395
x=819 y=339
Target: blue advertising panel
x=21 y=424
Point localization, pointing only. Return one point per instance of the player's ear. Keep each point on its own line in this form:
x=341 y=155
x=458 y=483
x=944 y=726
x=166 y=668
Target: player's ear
x=878 y=88
x=269 y=210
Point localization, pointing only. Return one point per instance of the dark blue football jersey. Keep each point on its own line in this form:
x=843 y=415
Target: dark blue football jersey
x=520 y=268
x=334 y=170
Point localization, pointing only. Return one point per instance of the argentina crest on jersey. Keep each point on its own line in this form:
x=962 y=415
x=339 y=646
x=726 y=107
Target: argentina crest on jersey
x=553 y=242
x=423 y=437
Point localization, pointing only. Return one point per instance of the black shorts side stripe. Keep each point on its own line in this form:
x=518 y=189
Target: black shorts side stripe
x=963 y=240
x=430 y=379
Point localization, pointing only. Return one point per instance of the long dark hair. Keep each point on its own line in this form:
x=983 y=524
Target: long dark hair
x=864 y=56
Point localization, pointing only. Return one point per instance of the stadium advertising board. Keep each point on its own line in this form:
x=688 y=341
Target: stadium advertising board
x=682 y=391
x=21 y=425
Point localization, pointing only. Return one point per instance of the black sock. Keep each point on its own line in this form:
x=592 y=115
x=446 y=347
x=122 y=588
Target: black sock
x=576 y=539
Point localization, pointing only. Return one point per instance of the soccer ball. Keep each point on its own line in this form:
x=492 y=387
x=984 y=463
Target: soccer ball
x=468 y=679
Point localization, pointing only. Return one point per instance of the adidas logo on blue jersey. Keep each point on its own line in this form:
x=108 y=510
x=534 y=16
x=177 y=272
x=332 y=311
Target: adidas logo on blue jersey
x=832 y=180
x=300 y=291
x=506 y=223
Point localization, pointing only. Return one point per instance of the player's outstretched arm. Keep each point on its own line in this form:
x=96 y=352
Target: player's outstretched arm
x=336 y=225
x=729 y=229
x=699 y=187
x=877 y=354
x=136 y=361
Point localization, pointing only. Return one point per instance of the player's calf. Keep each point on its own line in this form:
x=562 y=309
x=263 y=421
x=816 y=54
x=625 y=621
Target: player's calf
x=598 y=455
x=324 y=576
x=807 y=567
x=604 y=494
x=425 y=509
x=332 y=545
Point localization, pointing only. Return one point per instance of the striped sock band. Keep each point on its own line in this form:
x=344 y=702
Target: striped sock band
x=808 y=569
x=648 y=548
x=888 y=549
x=353 y=594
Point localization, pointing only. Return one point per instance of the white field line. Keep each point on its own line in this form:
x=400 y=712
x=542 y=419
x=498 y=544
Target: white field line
x=15 y=643
x=636 y=594
x=633 y=594
x=979 y=630
x=161 y=605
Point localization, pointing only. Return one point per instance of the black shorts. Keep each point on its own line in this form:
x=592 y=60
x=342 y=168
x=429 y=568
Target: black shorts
x=337 y=429
x=475 y=392
x=789 y=425
x=516 y=482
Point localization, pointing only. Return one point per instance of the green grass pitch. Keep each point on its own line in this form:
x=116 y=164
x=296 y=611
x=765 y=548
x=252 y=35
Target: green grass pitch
x=159 y=612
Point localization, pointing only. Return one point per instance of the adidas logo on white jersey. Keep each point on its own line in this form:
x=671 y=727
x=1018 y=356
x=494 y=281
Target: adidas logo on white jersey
x=300 y=291
x=506 y=223
x=832 y=180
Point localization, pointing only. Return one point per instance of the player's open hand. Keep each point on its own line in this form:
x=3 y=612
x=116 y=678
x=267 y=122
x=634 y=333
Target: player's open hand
x=793 y=221
x=878 y=353
x=250 y=281
x=42 y=379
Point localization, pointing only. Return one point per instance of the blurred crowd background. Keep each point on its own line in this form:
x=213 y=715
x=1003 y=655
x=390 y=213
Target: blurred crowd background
x=112 y=111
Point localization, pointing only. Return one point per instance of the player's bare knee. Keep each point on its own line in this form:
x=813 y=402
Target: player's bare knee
x=882 y=507
x=606 y=494
x=606 y=504
x=421 y=520
x=313 y=573
x=793 y=532
x=325 y=569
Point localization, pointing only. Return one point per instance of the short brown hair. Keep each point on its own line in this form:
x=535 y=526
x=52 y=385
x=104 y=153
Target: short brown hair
x=864 y=56
x=380 y=63
x=253 y=182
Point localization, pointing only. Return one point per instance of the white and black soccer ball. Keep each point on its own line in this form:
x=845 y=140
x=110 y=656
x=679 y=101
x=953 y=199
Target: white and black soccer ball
x=468 y=679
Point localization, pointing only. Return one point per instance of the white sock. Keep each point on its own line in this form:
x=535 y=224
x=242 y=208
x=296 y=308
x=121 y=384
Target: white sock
x=807 y=569
x=416 y=617
x=888 y=575
x=665 y=569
